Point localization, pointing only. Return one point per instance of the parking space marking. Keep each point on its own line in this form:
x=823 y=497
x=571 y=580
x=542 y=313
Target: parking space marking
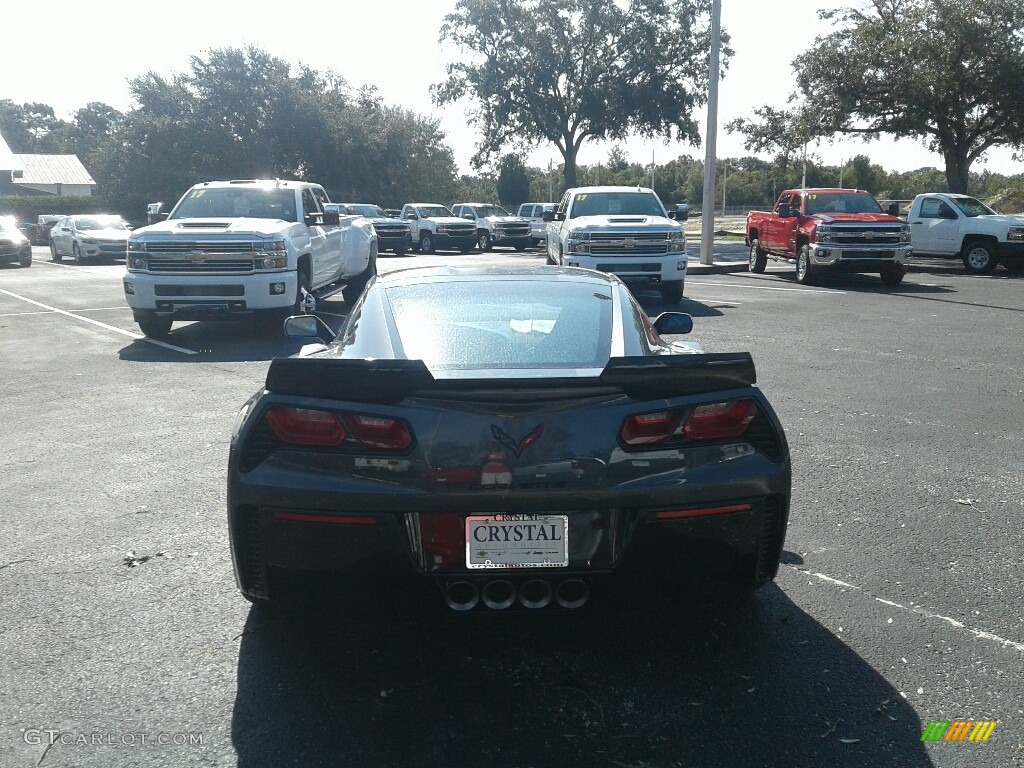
x=763 y=287
x=130 y=334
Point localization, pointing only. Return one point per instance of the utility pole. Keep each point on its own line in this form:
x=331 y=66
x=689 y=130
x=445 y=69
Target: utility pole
x=803 y=181
x=725 y=181
x=707 y=231
x=551 y=193
x=652 y=169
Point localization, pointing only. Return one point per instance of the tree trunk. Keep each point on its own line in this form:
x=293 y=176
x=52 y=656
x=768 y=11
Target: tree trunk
x=569 y=158
x=957 y=169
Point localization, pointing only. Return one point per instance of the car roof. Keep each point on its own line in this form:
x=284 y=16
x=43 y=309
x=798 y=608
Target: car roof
x=281 y=183
x=540 y=272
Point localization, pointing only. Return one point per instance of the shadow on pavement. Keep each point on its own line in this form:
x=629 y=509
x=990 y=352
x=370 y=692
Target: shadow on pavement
x=661 y=680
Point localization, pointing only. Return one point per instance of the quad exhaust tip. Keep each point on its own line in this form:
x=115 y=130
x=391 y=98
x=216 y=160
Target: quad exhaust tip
x=499 y=594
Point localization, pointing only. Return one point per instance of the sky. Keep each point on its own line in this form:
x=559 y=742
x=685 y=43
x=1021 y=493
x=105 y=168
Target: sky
x=393 y=46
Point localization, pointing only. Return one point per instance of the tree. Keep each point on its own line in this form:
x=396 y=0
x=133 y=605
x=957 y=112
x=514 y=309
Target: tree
x=947 y=72
x=565 y=71
x=513 y=182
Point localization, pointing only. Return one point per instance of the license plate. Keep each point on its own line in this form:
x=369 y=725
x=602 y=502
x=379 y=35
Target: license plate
x=517 y=541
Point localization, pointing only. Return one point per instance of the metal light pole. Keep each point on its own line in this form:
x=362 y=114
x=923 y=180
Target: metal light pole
x=707 y=231
x=551 y=193
x=652 y=169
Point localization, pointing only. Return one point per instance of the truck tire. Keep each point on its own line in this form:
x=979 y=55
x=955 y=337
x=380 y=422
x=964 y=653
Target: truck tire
x=483 y=241
x=155 y=327
x=804 y=268
x=672 y=292
x=427 y=242
x=354 y=288
x=302 y=287
x=980 y=257
x=893 y=274
x=758 y=257
x=54 y=256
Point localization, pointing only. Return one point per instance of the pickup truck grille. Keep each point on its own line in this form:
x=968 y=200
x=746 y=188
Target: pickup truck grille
x=629 y=243
x=200 y=266
x=459 y=230
x=198 y=246
x=514 y=230
x=384 y=232
x=866 y=237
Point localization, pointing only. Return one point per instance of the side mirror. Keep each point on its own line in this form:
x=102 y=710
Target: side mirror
x=308 y=326
x=411 y=217
x=784 y=211
x=559 y=215
x=894 y=209
x=469 y=217
x=548 y=215
x=331 y=218
x=673 y=322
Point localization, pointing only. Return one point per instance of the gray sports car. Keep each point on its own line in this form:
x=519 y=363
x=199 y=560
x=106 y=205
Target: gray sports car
x=514 y=434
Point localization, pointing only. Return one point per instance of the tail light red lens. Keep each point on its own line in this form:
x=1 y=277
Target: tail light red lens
x=304 y=426
x=719 y=420
x=650 y=428
x=381 y=432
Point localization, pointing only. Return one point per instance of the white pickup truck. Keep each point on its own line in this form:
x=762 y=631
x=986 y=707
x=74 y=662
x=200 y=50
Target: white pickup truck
x=433 y=226
x=237 y=248
x=622 y=230
x=943 y=224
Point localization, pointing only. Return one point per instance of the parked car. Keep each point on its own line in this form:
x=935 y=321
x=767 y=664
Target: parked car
x=86 y=237
x=544 y=431
x=392 y=235
x=433 y=226
x=958 y=226
x=534 y=213
x=44 y=223
x=14 y=246
x=495 y=226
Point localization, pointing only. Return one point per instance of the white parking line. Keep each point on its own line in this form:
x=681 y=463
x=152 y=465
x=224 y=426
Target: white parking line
x=130 y=334
x=762 y=287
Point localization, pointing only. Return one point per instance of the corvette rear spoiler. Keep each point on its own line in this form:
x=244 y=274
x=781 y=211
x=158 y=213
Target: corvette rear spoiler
x=390 y=381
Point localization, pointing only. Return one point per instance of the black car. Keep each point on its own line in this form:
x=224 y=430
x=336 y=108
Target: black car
x=392 y=234
x=513 y=433
x=14 y=245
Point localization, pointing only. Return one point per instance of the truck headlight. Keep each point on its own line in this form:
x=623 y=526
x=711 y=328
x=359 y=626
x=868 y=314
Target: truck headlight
x=905 y=233
x=824 y=234
x=136 y=264
x=1015 y=233
x=272 y=262
x=136 y=245
x=273 y=245
x=677 y=243
x=579 y=247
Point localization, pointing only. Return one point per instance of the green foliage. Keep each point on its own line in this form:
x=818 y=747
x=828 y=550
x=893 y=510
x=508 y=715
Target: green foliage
x=943 y=71
x=566 y=71
x=513 y=183
x=27 y=207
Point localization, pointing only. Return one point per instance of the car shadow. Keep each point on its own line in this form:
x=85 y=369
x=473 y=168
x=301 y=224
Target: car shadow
x=654 y=306
x=628 y=680
x=855 y=282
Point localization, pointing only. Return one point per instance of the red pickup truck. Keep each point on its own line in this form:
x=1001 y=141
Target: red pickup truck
x=838 y=230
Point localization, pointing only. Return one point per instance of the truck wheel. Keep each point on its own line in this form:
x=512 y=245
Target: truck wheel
x=77 y=253
x=54 y=256
x=155 y=327
x=354 y=288
x=893 y=274
x=804 y=270
x=520 y=246
x=980 y=257
x=302 y=287
x=483 y=241
x=672 y=292
x=427 y=242
x=758 y=257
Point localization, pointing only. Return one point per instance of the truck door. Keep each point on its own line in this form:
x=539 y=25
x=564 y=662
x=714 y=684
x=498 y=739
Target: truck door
x=326 y=263
x=411 y=217
x=777 y=230
x=555 y=232
x=936 y=228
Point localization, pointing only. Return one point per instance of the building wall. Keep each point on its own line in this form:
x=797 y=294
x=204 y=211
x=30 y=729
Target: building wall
x=65 y=190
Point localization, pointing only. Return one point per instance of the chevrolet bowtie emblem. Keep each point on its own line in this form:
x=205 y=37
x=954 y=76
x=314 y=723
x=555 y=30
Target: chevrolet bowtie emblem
x=630 y=243
x=869 y=235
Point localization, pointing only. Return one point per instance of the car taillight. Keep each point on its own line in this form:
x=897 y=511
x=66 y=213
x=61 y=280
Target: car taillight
x=713 y=421
x=648 y=428
x=381 y=432
x=719 y=420
x=304 y=426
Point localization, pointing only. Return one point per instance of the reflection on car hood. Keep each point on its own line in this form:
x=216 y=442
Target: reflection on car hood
x=192 y=227
x=856 y=218
x=625 y=222
x=105 y=234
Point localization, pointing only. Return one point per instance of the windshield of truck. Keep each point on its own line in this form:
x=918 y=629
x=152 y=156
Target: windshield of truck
x=237 y=202
x=838 y=202
x=616 y=204
x=491 y=210
x=432 y=211
x=99 y=222
x=369 y=211
x=971 y=207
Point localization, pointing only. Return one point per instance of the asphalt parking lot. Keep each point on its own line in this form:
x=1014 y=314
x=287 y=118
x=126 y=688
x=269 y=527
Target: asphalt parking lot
x=899 y=601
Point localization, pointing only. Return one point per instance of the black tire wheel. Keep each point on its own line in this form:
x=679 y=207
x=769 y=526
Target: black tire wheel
x=758 y=257
x=893 y=274
x=1014 y=267
x=672 y=292
x=399 y=251
x=155 y=327
x=520 y=246
x=54 y=256
x=26 y=260
x=302 y=288
x=980 y=257
x=483 y=241
x=804 y=269
x=427 y=242
x=548 y=259
x=77 y=253
x=354 y=288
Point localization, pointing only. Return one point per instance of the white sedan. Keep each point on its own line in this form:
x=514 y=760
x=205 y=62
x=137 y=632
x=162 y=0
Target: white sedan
x=88 y=236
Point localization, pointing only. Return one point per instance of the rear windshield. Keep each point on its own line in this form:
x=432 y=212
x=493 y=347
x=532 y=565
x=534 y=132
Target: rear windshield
x=504 y=324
